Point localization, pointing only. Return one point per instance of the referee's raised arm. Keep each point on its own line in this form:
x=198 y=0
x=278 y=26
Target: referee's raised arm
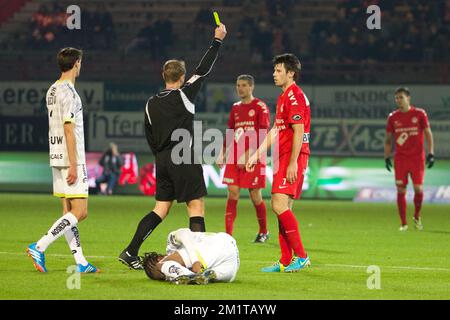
x=193 y=85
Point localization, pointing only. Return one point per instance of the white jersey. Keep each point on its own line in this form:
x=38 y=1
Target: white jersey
x=64 y=105
x=212 y=250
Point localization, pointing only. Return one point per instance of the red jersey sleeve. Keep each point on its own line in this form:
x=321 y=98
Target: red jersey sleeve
x=296 y=104
x=263 y=116
x=424 y=120
x=389 y=125
x=231 y=119
x=229 y=136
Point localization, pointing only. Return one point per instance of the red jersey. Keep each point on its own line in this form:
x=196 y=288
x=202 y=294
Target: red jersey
x=407 y=128
x=244 y=118
x=292 y=108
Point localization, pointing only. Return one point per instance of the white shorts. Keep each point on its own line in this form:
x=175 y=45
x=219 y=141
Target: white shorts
x=61 y=189
x=227 y=269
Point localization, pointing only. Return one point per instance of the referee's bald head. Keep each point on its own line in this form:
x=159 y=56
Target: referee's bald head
x=173 y=70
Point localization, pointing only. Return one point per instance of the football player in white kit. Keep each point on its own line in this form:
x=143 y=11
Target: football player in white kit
x=68 y=162
x=195 y=258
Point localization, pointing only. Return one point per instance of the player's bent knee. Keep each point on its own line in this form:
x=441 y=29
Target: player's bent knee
x=401 y=188
x=278 y=209
x=80 y=215
x=233 y=193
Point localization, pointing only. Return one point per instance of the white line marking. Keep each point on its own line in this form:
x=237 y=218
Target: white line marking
x=254 y=261
x=365 y=267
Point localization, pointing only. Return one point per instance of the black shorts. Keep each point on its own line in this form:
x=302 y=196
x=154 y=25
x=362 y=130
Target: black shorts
x=181 y=182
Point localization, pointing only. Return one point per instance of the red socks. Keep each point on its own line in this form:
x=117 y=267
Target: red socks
x=262 y=217
x=401 y=204
x=291 y=235
x=418 y=198
x=230 y=215
x=286 y=250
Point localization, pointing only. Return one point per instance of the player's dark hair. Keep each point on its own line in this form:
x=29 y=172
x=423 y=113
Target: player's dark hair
x=173 y=70
x=248 y=78
x=67 y=58
x=290 y=62
x=404 y=90
x=151 y=259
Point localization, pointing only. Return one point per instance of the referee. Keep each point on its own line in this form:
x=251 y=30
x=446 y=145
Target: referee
x=169 y=110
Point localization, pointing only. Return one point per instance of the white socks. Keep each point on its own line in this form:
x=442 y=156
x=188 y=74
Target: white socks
x=60 y=227
x=73 y=240
x=173 y=269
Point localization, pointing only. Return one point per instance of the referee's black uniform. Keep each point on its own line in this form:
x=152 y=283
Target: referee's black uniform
x=164 y=113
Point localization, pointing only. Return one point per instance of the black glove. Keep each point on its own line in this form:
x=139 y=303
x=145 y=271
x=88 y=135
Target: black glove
x=430 y=160
x=388 y=164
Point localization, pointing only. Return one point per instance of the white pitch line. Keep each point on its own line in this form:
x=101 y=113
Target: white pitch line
x=57 y=255
x=365 y=267
x=388 y=267
x=317 y=264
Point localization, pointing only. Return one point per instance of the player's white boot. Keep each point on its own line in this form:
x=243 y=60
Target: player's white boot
x=403 y=228
x=418 y=224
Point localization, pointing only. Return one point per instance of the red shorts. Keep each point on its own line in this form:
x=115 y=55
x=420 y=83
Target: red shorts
x=280 y=184
x=248 y=180
x=404 y=166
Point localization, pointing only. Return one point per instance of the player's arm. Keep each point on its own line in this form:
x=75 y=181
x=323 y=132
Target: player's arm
x=193 y=85
x=430 y=144
x=184 y=237
x=148 y=131
x=69 y=133
x=68 y=105
x=388 y=144
x=387 y=151
x=265 y=145
x=297 y=141
x=228 y=143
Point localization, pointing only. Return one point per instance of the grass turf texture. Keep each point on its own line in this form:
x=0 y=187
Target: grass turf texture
x=342 y=238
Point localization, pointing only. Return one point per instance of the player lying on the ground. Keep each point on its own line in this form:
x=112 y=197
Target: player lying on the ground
x=194 y=258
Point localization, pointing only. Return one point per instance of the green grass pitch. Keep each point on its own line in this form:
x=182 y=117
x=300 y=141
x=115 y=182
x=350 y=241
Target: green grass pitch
x=342 y=238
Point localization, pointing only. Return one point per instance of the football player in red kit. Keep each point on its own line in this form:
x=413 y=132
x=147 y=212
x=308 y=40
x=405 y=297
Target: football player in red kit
x=291 y=133
x=408 y=125
x=249 y=120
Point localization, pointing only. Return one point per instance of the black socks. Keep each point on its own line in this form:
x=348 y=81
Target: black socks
x=144 y=229
x=197 y=224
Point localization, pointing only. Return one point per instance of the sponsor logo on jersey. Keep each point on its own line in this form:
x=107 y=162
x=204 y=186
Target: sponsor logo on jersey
x=174 y=269
x=292 y=98
x=56 y=156
x=56 y=140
